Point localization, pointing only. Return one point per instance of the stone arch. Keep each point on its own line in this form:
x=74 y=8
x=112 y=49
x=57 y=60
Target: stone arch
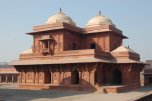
x=117 y=76
x=75 y=77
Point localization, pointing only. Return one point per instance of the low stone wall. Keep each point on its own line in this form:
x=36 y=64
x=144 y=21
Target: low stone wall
x=121 y=88
x=33 y=87
x=56 y=87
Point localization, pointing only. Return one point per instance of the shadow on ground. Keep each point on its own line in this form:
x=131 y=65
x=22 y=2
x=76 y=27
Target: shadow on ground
x=140 y=89
x=30 y=95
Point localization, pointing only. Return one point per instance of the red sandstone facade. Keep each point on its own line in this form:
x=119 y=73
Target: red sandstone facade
x=8 y=75
x=148 y=73
x=65 y=56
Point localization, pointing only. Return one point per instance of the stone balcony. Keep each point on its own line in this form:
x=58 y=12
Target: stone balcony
x=45 y=51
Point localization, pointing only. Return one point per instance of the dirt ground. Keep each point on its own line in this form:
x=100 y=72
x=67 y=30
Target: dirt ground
x=12 y=93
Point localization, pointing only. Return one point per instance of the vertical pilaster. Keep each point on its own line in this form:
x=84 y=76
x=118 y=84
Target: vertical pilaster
x=51 y=77
x=20 y=76
x=33 y=74
x=80 y=77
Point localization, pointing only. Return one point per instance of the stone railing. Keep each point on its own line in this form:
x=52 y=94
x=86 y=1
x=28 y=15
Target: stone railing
x=69 y=53
x=31 y=55
x=76 y=52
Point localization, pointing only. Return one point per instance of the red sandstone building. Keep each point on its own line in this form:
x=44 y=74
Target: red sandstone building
x=8 y=75
x=66 y=56
x=148 y=73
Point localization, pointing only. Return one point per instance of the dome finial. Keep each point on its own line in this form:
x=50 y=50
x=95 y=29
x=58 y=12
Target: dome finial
x=128 y=46
x=60 y=10
x=100 y=12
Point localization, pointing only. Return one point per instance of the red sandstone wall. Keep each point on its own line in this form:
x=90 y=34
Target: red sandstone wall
x=65 y=39
x=90 y=75
x=115 y=41
x=58 y=37
x=101 y=40
x=70 y=38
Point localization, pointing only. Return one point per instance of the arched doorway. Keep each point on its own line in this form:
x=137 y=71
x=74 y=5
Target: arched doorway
x=75 y=77
x=117 y=77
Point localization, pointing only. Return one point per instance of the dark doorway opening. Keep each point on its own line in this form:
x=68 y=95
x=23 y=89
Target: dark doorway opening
x=9 y=78
x=75 y=77
x=46 y=44
x=48 y=77
x=3 y=78
x=15 y=78
x=117 y=77
x=92 y=46
x=150 y=80
x=96 y=77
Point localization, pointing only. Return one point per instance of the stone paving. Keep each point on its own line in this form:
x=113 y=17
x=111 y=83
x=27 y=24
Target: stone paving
x=12 y=93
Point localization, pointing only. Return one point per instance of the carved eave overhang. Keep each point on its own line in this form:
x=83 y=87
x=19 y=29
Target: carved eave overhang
x=46 y=37
x=59 y=61
x=52 y=27
x=103 y=28
x=10 y=70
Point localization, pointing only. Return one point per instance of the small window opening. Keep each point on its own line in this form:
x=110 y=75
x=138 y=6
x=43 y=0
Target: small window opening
x=46 y=44
x=92 y=46
x=150 y=80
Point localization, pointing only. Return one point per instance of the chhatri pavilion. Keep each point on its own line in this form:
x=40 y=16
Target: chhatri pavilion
x=65 y=56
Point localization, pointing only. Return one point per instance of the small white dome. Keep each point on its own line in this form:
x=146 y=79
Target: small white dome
x=99 y=20
x=60 y=18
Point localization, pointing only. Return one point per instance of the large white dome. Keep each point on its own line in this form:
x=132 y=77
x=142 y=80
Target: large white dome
x=99 y=20
x=60 y=18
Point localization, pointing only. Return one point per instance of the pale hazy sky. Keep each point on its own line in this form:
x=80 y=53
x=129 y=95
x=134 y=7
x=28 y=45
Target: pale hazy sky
x=17 y=17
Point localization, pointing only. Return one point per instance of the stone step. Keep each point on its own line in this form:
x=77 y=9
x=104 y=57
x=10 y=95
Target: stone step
x=101 y=90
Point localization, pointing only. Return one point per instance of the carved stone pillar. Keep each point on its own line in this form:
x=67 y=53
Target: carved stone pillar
x=33 y=75
x=20 y=77
x=80 y=78
x=92 y=75
x=12 y=79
